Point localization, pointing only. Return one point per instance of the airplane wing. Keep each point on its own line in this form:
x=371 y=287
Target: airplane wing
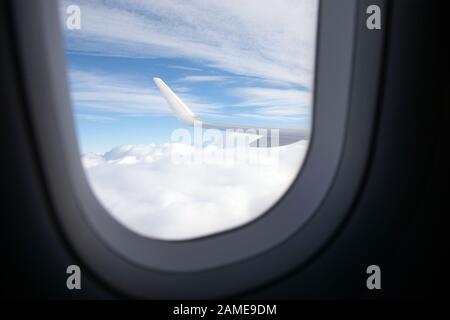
x=186 y=116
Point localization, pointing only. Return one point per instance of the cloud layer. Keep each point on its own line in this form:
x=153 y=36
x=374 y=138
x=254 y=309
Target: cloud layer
x=149 y=194
x=259 y=53
x=261 y=38
x=96 y=91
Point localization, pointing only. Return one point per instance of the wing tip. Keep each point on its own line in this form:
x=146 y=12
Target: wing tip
x=158 y=81
x=180 y=109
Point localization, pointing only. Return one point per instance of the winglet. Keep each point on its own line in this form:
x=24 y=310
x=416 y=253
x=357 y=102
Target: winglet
x=182 y=111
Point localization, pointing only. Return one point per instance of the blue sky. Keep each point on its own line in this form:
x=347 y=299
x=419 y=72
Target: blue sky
x=230 y=62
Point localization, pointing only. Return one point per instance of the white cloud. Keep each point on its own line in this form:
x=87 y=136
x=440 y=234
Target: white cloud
x=202 y=78
x=97 y=91
x=261 y=41
x=184 y=68
x=95 y=118
x=268 y=39
x=271 y=104
x=145 y=191
x=93 y=90
x=263 y=97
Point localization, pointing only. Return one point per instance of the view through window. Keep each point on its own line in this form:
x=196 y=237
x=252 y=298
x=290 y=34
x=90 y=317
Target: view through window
x=193 y=117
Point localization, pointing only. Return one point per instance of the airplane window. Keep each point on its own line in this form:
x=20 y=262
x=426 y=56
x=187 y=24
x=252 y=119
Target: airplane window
x=192 y=117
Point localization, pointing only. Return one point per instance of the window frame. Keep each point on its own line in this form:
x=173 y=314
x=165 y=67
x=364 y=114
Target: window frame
x=347 y=76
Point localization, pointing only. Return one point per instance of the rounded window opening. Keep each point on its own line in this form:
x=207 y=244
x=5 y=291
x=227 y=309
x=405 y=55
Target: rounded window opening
x=193 y=117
